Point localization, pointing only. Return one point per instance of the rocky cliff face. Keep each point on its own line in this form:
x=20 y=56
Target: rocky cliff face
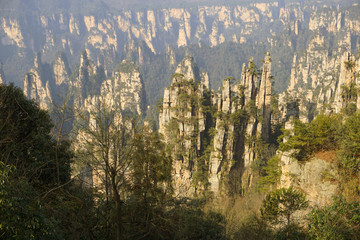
x=37 y=86
x=332 y=91
x=103 y=109
x=317 y=178
x=243 y=118
x=183 y=122
x=318 y=73
x=126 y=89
x=210 y=24
x=54 y=84
x=216 y=141
x=213 y=134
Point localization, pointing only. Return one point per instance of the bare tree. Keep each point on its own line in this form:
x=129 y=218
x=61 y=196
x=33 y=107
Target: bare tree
x=62 y=116
x=105 y=143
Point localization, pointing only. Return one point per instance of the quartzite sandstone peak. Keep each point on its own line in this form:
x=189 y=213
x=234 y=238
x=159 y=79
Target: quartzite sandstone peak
x=243 y=112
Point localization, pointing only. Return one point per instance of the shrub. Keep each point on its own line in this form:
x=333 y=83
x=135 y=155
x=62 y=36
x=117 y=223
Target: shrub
x=339 y=221
x=319 y=135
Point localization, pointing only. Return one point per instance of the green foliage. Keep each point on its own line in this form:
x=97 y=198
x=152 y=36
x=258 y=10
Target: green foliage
x=274 y=105
x=22 y=216
x=258 y=229
x=350 y=144
x=172 y=131
x=280 y=205
x=159 y=105
x=191 y=222
x=349 y=109
x=349 y=93
x=172 y=219
x=25 y=139
x=264 y=152
x=236 y=117
x=253 y=68
x=349 y=157
x=339 y=221
x=251 y=108
x=331 y=133
x=178 y=76
x=349 y=65
x=149 y=188
x=254 y=228
x=201 y=175
x=36 y=200
x=292 y=231
x=126 y=67
x=151 y=167
x=272 y=174
x=307 y=138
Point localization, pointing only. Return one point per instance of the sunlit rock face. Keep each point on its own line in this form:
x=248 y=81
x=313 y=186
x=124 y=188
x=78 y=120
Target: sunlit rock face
x=326 y=90
x=183 y=123
x=2 y=75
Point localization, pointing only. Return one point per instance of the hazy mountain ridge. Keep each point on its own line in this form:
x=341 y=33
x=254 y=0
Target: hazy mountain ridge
x=145 y=36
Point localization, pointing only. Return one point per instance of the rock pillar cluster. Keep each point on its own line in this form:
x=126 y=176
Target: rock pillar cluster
x=214 y=134
x=184 y=123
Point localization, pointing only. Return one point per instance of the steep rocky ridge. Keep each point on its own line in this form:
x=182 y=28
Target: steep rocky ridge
x=317 y=178
x=40 y=84
x=216 y=141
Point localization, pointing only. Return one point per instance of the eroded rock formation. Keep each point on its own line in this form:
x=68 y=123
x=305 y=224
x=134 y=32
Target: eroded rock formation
x=184 y=123
x=53 y=84
x=214 y=134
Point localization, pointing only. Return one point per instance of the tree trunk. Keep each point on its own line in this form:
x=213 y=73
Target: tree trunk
x=288 y=219
x=118 y=203
x=118 y=221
